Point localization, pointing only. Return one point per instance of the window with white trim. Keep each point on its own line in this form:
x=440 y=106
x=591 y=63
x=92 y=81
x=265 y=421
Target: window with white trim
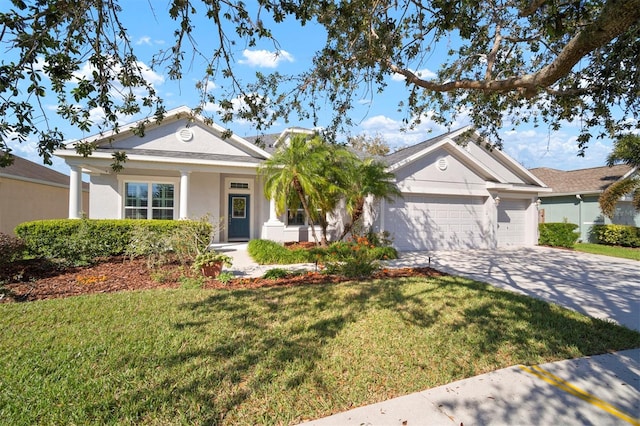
x=296 y=217
x=148 y=200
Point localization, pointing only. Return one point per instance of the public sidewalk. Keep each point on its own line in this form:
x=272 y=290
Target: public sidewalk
x=597 y=390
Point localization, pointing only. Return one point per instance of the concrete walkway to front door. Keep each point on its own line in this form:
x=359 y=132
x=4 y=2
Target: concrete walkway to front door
x=599 y=286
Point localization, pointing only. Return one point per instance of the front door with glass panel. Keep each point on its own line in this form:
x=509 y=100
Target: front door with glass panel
x=239 y=222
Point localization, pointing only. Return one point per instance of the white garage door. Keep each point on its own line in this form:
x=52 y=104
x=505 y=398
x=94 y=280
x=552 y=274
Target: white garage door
x=436 y=223
x=512 y=220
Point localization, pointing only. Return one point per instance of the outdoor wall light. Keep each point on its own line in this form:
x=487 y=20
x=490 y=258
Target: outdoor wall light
x=497 y=200
x=538 y=203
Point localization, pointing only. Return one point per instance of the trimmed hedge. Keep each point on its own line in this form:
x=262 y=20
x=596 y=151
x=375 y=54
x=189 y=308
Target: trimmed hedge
x=11 y=248
x=616 y=235
x=558 y=234
x=84 y=240
x=266 y=252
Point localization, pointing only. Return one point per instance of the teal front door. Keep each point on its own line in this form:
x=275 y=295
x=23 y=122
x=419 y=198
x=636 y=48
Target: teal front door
x=239 y=223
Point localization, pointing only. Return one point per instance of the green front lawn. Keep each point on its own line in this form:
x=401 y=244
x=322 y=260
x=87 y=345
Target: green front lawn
x=614 y=251
x=271 y=356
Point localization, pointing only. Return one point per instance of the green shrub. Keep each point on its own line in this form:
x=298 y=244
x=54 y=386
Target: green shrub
x=225 y=277
x=276 y=273
x=267 y=252
x=357 y=258
x=11 y=248
x=81 y=241
x=616 y=235
x=558 y=234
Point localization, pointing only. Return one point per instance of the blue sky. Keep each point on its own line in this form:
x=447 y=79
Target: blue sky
x=151 y=31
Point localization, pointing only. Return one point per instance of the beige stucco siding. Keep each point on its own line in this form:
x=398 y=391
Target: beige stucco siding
x=24 y=201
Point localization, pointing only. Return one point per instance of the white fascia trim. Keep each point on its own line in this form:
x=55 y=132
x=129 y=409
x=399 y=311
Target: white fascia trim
x=509 y=187
x=629 y=173
x=163 y=160
x=573 y=193
x=292 y=131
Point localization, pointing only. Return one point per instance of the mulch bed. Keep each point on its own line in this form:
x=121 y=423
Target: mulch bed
x=38 y=280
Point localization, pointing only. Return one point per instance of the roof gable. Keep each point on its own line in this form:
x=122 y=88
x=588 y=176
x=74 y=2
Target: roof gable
x=181 y=131
x=492 y=165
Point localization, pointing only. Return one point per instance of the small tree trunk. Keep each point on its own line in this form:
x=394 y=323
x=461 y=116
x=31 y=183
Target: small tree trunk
x=305 y=207
x=356 y=214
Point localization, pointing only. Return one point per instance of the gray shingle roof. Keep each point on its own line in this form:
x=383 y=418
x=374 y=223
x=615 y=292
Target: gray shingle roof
x=265 y=142
x=591 y=180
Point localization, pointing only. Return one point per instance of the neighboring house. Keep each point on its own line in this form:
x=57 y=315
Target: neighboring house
x=30 y=191
x=575 y=194
x=454 y=196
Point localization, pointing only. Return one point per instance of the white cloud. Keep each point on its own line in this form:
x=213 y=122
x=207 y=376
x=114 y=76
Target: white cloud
x=265 y=58
x=423 y=73
x=392 y=130
x=149 y=75
x=148 y=41
x=144 y=40
x=557 y=150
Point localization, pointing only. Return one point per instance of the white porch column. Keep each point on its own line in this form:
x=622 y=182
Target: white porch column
x=273 y=229
x=75 y=192
x=273 y=216
x=184 y=194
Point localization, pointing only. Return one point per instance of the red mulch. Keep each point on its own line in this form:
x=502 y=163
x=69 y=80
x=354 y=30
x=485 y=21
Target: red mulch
x=37 y=280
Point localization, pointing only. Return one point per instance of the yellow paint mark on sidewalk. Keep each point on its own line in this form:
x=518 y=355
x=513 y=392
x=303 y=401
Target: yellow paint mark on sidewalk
x=575 y=391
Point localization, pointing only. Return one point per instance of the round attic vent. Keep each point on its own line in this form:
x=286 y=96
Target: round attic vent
x=442 y=164
x=184 y=135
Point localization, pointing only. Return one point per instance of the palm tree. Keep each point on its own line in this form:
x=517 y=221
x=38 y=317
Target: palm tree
x=368 y=178
x=294 y=176
x=626 y=150
x=336 y=167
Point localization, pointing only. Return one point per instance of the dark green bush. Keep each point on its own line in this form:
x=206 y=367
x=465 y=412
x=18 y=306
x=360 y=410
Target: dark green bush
x=616 y=235
x=81 y=241
x=276 y=273
x=558 y=234
x=266 y=252
x=11 y=248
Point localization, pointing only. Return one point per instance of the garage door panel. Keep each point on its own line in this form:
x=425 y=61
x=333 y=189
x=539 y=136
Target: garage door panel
x=437 y=223
x=512 y=221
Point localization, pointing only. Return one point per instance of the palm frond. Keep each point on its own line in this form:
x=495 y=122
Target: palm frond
x=610 y=197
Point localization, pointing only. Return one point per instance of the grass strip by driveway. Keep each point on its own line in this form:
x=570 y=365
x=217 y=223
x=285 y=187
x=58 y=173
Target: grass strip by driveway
x=271 y=356
x=614 y=251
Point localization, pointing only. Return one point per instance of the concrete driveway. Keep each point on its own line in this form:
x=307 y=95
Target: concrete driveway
x=599 y=286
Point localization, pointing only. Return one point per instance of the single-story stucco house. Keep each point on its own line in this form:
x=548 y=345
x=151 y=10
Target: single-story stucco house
x=31 y=191
x=454 y=195
x=574 y=197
